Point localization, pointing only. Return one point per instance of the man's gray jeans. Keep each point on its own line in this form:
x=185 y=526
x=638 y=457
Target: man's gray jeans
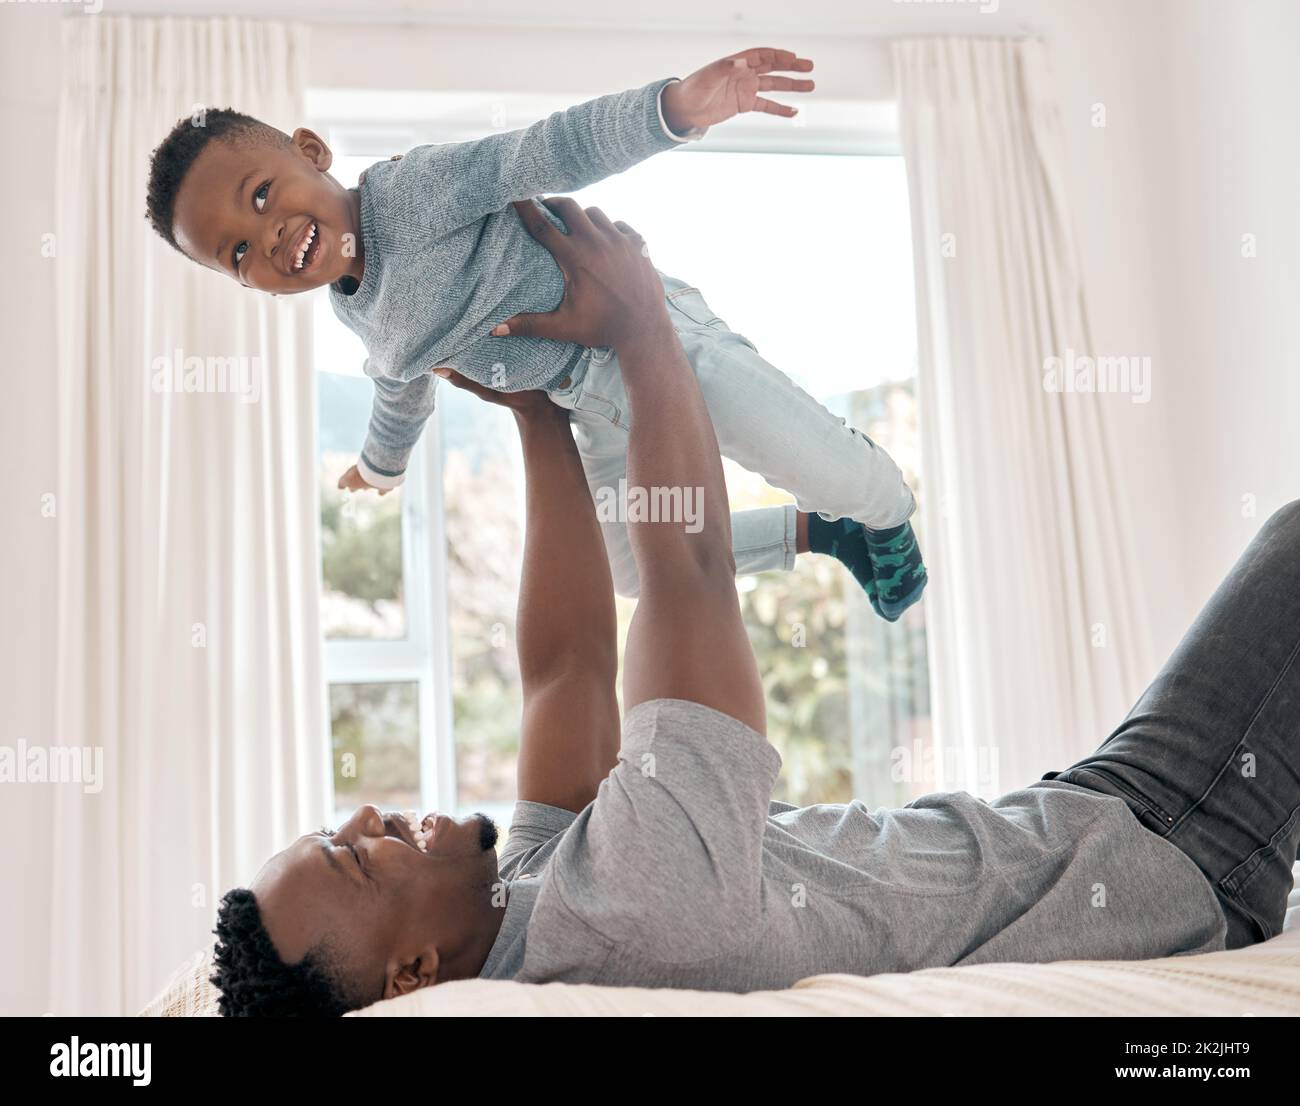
x=1209 y=758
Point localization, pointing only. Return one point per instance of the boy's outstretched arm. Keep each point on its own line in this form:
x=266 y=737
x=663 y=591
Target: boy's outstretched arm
x=397 y=417
x=566 y=629
x=459 y=183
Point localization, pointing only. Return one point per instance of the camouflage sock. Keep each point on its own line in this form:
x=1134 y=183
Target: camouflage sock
x=898 y=568
x=886 y=563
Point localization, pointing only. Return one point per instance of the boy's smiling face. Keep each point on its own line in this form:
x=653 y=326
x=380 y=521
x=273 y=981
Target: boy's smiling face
x=249 y=209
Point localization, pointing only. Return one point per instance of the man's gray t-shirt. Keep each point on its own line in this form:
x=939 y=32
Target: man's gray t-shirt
x=682 y=873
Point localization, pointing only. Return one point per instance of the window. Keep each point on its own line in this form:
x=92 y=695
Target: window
x=798 y=239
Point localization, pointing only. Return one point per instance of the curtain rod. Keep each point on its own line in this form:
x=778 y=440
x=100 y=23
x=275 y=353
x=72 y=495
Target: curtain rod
x=530 y=22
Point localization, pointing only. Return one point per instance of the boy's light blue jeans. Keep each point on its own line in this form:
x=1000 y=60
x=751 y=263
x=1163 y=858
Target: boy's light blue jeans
x=763 y=421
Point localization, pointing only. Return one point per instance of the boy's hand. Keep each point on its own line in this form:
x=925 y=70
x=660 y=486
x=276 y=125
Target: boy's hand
x=352 y=481
x=731 y=85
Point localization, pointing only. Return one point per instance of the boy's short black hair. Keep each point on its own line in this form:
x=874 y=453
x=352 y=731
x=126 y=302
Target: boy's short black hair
x=254 y=981
x=174 y=155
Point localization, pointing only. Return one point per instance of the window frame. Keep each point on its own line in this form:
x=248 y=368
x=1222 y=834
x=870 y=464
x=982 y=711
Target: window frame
x=423 y=656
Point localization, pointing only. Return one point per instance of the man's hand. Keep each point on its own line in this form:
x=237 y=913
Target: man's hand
x=531 y=404
x=730 y=86
x=612 y=293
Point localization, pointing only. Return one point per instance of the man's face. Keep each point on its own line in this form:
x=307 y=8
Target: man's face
x=395 y=917
x=249 y=210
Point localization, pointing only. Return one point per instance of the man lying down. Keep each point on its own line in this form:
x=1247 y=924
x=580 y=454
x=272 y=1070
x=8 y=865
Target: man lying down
x=649 y=854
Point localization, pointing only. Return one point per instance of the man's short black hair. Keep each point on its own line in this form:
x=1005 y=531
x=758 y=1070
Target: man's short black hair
x=174 y=155
x=254 y=981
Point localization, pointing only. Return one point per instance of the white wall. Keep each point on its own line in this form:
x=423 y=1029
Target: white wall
x=1223 y=162
x=1198 y=149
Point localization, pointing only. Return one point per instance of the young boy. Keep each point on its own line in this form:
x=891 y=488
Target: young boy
x=425 y=260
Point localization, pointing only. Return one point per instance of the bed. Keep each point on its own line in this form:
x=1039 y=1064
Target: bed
x=1260 y=981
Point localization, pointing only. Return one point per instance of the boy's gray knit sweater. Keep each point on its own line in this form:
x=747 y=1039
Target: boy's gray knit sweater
x=446 y=259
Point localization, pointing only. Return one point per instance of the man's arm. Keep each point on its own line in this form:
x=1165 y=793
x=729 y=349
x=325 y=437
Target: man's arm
x=687 y=639
x=566 y=627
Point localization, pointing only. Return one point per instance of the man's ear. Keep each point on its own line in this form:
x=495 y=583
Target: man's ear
x=405 y=975
x=313 y=148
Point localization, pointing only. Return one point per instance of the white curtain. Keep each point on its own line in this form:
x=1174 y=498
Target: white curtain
x=188 y=627
x=1037 y=639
